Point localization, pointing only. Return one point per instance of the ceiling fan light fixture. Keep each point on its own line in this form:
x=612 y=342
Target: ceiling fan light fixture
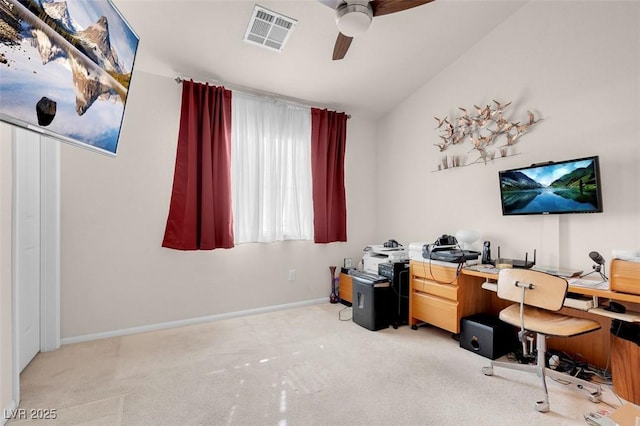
x=354 y=19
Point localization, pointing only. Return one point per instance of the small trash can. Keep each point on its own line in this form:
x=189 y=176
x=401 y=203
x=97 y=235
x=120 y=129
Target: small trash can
x=625 y=360
x=370 y=300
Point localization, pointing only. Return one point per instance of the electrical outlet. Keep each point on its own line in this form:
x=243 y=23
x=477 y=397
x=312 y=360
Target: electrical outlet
x=292 y=274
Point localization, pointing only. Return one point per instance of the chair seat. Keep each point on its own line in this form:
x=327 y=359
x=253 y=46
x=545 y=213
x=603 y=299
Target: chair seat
x=547 y=322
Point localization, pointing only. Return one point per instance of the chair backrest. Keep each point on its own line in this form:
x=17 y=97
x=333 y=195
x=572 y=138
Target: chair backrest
x=548 y=291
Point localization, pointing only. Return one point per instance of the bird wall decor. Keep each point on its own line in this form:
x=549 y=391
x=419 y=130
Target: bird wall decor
x=490 y=133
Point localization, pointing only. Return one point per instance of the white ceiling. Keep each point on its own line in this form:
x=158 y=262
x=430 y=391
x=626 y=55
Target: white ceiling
x=397 y=55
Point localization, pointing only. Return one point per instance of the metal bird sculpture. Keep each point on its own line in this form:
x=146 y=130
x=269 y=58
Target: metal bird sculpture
x=482 y=130
x=441 y=122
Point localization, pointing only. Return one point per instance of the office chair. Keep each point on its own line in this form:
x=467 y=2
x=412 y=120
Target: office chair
x=539 y=295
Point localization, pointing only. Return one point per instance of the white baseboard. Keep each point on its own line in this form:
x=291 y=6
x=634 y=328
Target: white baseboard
x=191 y=321
x=6 y=412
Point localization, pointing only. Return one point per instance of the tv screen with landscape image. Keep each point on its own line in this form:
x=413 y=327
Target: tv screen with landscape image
x=65 y=69
x=571 y=186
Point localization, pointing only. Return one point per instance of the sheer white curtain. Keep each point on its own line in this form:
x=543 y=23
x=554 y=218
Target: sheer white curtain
x=270 y=170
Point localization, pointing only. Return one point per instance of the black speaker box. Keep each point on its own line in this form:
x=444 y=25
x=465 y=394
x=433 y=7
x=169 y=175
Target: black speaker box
x=486 y=335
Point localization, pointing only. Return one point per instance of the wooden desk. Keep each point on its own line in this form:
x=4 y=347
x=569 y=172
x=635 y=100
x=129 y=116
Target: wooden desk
x=345 y=287
x=631 y=301
x=438 y=297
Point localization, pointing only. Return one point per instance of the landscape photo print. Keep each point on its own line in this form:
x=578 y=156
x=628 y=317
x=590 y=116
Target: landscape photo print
x=65 y=68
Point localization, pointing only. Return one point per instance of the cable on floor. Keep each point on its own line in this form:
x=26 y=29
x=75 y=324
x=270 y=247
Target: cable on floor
x=341 y=311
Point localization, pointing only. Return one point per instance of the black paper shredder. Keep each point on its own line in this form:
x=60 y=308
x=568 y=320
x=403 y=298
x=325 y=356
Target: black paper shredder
x=369 y=300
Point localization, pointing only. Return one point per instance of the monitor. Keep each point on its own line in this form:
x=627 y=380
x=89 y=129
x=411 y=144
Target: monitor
x=570 y=186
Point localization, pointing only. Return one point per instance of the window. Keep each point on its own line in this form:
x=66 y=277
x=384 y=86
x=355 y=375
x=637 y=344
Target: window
x=271 y=183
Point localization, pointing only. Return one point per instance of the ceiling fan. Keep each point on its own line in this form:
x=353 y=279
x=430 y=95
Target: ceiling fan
x=353 y=17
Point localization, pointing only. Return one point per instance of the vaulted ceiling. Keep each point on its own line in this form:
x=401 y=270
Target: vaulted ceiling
x=398 y=54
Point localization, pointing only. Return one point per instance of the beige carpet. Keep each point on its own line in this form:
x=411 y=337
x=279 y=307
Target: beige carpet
x=296 y=367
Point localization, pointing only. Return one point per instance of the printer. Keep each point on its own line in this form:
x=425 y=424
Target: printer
x=377 y=254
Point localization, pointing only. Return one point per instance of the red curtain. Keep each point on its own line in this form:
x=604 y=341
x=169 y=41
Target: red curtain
x=328 y=138
x=200 y=214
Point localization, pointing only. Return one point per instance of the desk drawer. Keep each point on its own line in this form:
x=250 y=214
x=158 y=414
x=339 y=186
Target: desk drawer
x=434 y=310
x=433 y=272
x=447 y=291
x=625 y=276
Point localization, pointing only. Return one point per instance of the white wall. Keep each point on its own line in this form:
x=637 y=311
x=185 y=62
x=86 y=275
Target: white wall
x=577 y=64
x=6 y=330
x=116 y=275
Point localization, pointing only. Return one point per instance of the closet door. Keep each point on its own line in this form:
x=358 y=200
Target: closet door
x=27 y=244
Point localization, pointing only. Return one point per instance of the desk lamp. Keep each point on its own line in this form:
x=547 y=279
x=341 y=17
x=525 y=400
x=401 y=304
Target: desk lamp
x=467 y=237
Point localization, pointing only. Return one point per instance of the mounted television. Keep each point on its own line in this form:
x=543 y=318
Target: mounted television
x=571 y=186
x=66 y=68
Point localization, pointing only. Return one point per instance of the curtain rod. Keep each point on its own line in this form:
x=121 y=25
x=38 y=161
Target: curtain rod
x=257 y=93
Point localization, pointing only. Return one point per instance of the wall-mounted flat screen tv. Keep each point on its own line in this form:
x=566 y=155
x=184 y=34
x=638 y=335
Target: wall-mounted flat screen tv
x=65 y=69
x=571 y=186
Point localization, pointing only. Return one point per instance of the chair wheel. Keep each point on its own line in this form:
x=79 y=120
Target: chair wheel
x=595 y=397
x=542 y=406
x=487 y=371
x=414 y=327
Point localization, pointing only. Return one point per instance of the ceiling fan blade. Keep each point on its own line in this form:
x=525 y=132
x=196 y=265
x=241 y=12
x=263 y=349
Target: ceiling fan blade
x=342 y=45
x=333 y=4
x=385 y=7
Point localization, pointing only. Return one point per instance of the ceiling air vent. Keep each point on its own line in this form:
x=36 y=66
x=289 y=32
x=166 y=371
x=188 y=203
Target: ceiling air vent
x=269 y=29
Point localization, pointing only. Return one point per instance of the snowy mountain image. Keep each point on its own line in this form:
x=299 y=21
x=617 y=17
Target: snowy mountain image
x=66 y=51
x=58 y=10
